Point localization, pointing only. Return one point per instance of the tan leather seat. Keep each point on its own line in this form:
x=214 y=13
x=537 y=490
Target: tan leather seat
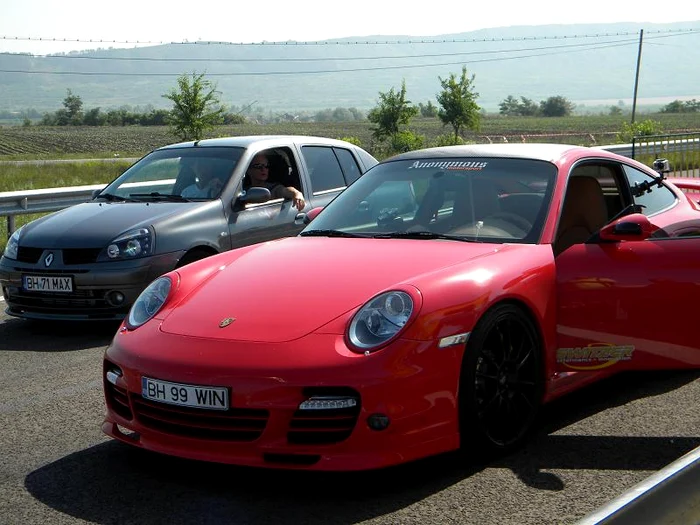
x=584 y=213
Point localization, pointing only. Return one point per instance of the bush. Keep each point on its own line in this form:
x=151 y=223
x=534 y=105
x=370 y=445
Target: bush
x=638 y=129
x=353 y=140
x=405 y=141
x=233 y=118
x=448 y=140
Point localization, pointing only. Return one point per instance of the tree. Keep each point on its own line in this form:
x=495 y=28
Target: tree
x=528 y=107
x=196 y=107
x=73 y=105
x=556 y=106
x=678 y=106
x=457 y=102
x=392 y=112
x=93 y=117
x=428 y=110
x=509 y=107
x=525 y=107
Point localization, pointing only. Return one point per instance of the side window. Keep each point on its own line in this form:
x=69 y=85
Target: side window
x=347 y=161
x=271 y=168
x=323 y=167
x=658 y=199
x=282 y=168
x=609 y=177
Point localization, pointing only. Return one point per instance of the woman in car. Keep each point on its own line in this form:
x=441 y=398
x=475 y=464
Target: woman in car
x=258 y=174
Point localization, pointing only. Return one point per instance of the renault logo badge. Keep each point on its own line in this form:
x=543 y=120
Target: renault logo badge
x=48 y=260
x=225 y=322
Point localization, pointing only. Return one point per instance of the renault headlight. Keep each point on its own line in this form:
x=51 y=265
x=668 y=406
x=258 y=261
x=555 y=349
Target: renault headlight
x=149 y=302
x=130 y=245
x=380 y=320
x=12 y=246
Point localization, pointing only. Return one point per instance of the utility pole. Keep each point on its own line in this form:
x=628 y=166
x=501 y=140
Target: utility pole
x=636 y=78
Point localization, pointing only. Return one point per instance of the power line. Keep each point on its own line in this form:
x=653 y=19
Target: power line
x=309 y=59
x=552 y=50
x=320 y=71
x=334 y=42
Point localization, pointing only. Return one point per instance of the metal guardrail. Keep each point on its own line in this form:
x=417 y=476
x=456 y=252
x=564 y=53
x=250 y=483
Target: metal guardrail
x=682 y=150
x=669 y=497
x=14 y=203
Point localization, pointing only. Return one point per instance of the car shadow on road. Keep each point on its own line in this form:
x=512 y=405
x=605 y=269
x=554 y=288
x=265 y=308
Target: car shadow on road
x=547 y=450
x=53 y=336
x=115 y=483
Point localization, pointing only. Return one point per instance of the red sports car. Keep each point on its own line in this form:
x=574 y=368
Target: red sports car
x=436 y=303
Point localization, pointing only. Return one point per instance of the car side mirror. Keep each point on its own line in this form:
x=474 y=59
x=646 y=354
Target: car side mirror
x=254 y=195
x=634 y=227
x=305 y=218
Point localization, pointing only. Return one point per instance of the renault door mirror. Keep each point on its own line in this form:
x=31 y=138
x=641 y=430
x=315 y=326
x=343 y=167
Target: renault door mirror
x=254 y=195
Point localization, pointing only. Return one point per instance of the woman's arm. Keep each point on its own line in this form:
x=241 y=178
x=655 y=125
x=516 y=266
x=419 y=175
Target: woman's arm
x=290 y=192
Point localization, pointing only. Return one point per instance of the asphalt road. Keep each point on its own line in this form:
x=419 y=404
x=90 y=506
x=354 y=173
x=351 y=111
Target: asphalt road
x=57 y=467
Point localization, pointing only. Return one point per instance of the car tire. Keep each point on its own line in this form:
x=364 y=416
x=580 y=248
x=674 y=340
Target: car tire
x=194 y=255
x=501 y=382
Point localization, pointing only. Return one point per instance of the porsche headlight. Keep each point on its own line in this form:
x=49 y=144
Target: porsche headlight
x=380 y=320
x=130 y=245
x=12 y=246
x=149 y=302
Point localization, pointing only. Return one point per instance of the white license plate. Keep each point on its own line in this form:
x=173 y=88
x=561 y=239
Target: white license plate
x=196 y=396
x=48 y=283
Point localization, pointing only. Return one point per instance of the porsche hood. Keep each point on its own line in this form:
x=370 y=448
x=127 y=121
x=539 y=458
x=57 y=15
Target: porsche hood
x=283 y=290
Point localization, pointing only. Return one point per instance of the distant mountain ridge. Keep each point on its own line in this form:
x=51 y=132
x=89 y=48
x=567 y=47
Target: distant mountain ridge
x=582 y=62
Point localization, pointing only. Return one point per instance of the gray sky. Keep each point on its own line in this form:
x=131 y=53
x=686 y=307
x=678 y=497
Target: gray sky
x=40 y=26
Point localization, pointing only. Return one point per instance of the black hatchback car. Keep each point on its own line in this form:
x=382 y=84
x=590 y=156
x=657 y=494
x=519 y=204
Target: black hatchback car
x=91 y=261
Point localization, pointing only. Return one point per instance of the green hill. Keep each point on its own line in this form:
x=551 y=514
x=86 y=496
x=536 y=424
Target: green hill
x=591 y=65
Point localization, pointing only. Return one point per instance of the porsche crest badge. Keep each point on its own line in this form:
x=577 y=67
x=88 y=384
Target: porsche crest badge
x=225 y=322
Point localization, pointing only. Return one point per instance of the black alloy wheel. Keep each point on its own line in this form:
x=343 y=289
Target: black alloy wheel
x=502 y=381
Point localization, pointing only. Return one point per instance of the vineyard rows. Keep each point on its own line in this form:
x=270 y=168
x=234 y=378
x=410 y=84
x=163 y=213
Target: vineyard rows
x=137 y=140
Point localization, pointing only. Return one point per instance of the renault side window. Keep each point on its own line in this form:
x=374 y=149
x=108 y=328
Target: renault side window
x=323 y=167
x=349 y=165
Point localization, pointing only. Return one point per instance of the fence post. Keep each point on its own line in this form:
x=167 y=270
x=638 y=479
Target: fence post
x=10 y=225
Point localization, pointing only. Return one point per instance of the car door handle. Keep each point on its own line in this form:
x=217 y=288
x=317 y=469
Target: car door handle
x=301 y=219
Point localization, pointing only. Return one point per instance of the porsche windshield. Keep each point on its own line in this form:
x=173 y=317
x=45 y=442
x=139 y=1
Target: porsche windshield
x=471 y=199
x=165 y=175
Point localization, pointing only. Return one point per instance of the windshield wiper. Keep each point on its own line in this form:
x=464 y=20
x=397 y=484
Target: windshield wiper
x=421 y=235
x=111 y=197
x=160 y=196
x=329 y=233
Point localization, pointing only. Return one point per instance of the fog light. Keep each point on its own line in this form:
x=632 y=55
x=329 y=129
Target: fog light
x=378 y=422
x=128 y=433
x=113 y=375
x=115 y=298
x=328 y=403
